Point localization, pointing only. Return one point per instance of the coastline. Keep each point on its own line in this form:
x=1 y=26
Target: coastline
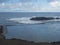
x=15 y=41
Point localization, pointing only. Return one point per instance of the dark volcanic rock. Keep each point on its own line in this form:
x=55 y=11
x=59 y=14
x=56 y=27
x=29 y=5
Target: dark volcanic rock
x=42 y=18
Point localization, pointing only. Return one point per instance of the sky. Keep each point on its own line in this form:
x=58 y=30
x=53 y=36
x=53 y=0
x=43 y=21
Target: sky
x=29 y=5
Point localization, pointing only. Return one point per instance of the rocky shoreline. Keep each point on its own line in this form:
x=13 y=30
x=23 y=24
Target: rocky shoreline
x=15 y=41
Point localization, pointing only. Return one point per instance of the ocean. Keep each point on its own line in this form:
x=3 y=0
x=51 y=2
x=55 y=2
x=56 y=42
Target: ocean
x=19 y=26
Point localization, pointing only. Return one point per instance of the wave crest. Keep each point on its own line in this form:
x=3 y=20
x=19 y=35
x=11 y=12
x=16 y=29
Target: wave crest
x=26 y=20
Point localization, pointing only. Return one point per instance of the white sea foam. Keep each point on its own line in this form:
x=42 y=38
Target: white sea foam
x=26 y=20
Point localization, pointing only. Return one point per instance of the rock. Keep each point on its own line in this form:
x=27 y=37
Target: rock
x=42 y=18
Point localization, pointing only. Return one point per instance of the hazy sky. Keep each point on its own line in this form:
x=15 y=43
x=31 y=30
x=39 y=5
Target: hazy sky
x=29 y=5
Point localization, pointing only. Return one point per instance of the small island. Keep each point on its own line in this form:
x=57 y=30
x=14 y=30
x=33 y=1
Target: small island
x=43 y=18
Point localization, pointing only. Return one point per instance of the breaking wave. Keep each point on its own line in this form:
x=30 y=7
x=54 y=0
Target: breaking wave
x=26 y=20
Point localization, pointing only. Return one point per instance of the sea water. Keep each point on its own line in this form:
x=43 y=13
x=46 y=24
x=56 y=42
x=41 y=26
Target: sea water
x=23 y=28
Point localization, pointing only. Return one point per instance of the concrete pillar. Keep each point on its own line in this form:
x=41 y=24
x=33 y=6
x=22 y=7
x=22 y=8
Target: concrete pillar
x=1 y=32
